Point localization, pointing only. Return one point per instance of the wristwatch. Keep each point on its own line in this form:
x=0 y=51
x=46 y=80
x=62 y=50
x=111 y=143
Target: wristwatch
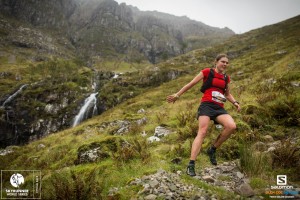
x=236 y=102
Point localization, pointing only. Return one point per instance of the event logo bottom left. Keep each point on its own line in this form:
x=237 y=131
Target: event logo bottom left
x=21 y=184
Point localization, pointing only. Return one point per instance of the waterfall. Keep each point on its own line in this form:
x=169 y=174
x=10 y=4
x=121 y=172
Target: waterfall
x=89 y=103
x=13 y=95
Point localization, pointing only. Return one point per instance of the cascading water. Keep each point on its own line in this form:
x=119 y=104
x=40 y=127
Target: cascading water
x=9 y=129
x=10 y=98
x=89 y=104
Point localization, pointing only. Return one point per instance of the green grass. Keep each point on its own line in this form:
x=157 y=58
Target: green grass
x=120 y=66
x=261 y=101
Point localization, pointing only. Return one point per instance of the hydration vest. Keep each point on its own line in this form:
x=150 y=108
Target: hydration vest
x=208 y=83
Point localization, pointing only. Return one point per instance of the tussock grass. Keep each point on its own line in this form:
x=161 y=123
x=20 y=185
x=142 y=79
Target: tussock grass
x=254 y=163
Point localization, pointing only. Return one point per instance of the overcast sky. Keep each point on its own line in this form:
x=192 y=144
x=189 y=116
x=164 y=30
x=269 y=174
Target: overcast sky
x=238 y=15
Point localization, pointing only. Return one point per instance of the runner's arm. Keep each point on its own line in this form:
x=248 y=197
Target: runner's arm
x=231 y=99
x=174 y=97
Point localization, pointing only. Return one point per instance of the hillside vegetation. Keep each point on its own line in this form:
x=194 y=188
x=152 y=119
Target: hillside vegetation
x=61 y=51
x=265 y=72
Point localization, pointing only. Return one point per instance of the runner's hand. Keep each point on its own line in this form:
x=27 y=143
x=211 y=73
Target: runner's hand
x=172 y=98
x=238 y=107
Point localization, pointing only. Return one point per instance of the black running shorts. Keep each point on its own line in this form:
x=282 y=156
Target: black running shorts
x=211 y=110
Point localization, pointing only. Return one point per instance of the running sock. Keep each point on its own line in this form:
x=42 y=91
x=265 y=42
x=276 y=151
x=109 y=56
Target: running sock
x=192 y=162
x=213 y=148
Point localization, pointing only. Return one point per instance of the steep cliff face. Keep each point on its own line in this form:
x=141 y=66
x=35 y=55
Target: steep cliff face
x=40 y=42
x=106 y=29
x=102 y=30
x=21 y=41
x=40 y=13
x=34 y=110
x=58 y=90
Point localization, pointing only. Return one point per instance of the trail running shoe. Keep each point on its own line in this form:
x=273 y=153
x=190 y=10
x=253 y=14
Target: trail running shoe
x=190 y=170
x=212 y=155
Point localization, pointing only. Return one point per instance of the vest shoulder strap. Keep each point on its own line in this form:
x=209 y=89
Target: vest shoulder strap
x=208 y=83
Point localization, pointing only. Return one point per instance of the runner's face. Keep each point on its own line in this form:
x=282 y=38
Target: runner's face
x=222 y=64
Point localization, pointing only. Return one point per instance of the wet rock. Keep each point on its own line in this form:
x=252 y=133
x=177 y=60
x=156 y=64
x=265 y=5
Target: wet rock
x=240 y=73
x=153 y=139
x=208 y=179
x=295 y=84
x=260 y=146
x=164 y=185
x=120 y=127
x=226 y=175
x=41 y=146
x=141 y=121
x=271 y=81
x=52 y=108
x=271 y=149
x=150 y=197
x=4 y=152
x=245 y=190
x=161 y=131
x=142 y=110
x=92 y=155
x=280 y=52
x=98 y=151
x=144 y=134
x=154 y=183
x=240 y=175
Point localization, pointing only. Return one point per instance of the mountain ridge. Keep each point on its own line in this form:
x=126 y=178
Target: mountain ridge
x=102 y=28
x=110 y=156
x=50 y=81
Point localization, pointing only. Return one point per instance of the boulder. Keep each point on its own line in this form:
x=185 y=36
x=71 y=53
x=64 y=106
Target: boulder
x=161 y=131
x=208 y=179
x=153 y=139
x=92 y=155
x=260 y=146
x=245 y=190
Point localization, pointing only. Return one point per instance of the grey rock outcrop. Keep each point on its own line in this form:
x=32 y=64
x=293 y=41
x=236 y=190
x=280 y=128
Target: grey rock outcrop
x=91 y=155
x=165 y=185
x=120 y=127
x=161 y=131
x=228 y=176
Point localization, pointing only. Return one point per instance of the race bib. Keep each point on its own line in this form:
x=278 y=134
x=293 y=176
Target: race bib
x=218 y=97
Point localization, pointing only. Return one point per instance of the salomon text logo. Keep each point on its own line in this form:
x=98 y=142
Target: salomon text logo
x=281 y=180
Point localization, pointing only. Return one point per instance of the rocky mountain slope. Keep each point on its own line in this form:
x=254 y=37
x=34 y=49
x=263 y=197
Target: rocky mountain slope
x=99 y=29
x=53 y=56
x=139 y=148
